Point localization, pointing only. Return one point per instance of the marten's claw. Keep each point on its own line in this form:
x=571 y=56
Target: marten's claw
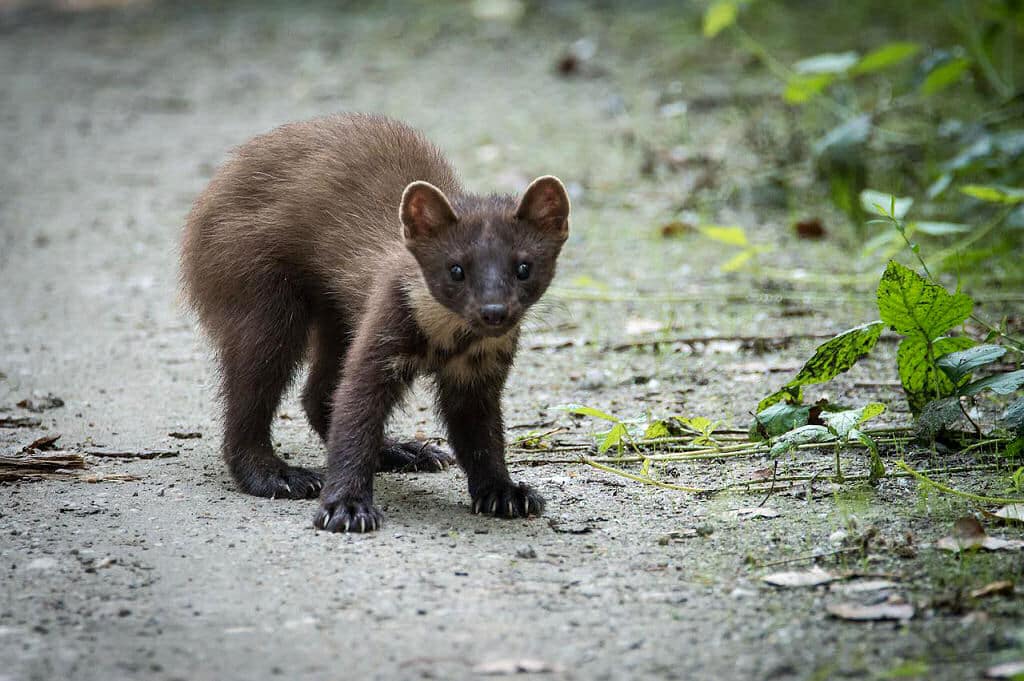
x=508 y=500
x=348 y=516
x=413 y=456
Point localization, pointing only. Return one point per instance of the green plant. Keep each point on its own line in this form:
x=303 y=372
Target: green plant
x=949 y=106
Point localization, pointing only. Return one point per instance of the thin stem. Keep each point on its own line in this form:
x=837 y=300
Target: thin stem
x=952 y=490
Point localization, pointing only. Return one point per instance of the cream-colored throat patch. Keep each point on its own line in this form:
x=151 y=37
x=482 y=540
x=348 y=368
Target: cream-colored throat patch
x=445 y=332
x=440 y=325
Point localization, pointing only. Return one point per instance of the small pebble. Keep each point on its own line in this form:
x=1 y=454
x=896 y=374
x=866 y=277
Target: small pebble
x=526 y=552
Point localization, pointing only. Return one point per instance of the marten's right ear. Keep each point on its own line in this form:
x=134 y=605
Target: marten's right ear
x=425 y=212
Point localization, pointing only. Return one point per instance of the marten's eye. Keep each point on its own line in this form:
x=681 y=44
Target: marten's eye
x=457 y=273
x=523 y=271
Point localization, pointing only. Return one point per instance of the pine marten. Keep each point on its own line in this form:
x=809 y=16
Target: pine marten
x=349 y=240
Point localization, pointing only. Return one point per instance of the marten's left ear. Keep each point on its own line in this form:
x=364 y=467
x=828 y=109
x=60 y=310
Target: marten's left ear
x=425 y=212
x=545 y=204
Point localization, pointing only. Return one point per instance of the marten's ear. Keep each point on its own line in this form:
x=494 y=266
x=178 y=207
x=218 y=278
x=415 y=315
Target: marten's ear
x=425 y=212
x=546 y=204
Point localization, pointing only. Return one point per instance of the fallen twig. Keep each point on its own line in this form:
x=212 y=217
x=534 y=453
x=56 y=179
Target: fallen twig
x=19 y=422
x=153 y=454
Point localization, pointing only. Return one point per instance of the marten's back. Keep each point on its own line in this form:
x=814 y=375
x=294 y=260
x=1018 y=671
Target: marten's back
x=316 y=202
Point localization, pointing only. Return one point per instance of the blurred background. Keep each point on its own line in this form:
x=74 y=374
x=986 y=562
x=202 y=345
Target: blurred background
x=727 y=160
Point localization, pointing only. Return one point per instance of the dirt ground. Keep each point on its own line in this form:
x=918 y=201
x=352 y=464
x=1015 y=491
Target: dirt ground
x=110 y=124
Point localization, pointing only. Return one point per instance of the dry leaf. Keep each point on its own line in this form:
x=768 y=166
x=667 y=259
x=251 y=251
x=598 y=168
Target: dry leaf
x=809 y=229
x=754 y=512
x=813 y=577
x=867 y=585
x=871 y=613
x=676 y=228
x=43 y=444
x=969 y=534
x=1003 y=587
x=509 y=667
x=1013 y=513
x=1007 y=670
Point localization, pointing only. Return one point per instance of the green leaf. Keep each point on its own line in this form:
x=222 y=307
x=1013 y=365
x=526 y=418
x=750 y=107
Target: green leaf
x=941 y=228
x=1004 y=384
x=1013 y=417
x=656 y=430
x=737 y=261
x=912 y=305
x=733 y=236
x=719 y=16
x=701 y=424
x=837 y=62
x=994 y=193
x=886 y=56
x=957 y=365
x=614 y=438
x=870 y=200
x=922 y=379
x=581 y=410
x=803 y=88
x=831 y=358
x=801 y=436
x=842 y=423
x=937 y=415
x=945 y=75
x=778 y=419
x=876 y=469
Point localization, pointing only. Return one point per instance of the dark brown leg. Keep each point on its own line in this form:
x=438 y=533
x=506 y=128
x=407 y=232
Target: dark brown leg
x=258 y=362
x=477 y=434
x=329 y=343
x=365 y=397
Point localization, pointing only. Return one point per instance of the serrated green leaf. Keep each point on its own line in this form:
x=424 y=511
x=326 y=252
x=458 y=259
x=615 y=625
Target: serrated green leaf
x=991 y=193
x=837 y=62
x=922 y=379
x=957 y=365
x=843 y=422
x=831 y=358
x=870 y=200
x=945 y=75
x=719 y=16
x=1013 y=417
x=801 y=436
x=886 y=56
x=778 y=419
x=803 y=88
x=613 y=438
x=733 y=236
x=656 y=430
x=1004 y=384
x=701 y=424
x=912 y=305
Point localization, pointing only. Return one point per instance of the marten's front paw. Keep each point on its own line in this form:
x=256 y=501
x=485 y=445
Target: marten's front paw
x=508 y=500
x=414 y=456
x=348 y=515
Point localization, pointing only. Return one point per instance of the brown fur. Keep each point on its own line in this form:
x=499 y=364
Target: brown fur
x=337 y=240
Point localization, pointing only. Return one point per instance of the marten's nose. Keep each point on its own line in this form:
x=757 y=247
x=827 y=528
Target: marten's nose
x=494 y=313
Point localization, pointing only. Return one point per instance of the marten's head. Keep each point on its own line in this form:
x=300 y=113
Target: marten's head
x=487 y=259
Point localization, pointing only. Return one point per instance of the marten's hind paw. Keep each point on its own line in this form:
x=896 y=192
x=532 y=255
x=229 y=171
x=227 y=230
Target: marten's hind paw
x=414 y=456
x=509 y=501
x=348 y=516
x=280 y=482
